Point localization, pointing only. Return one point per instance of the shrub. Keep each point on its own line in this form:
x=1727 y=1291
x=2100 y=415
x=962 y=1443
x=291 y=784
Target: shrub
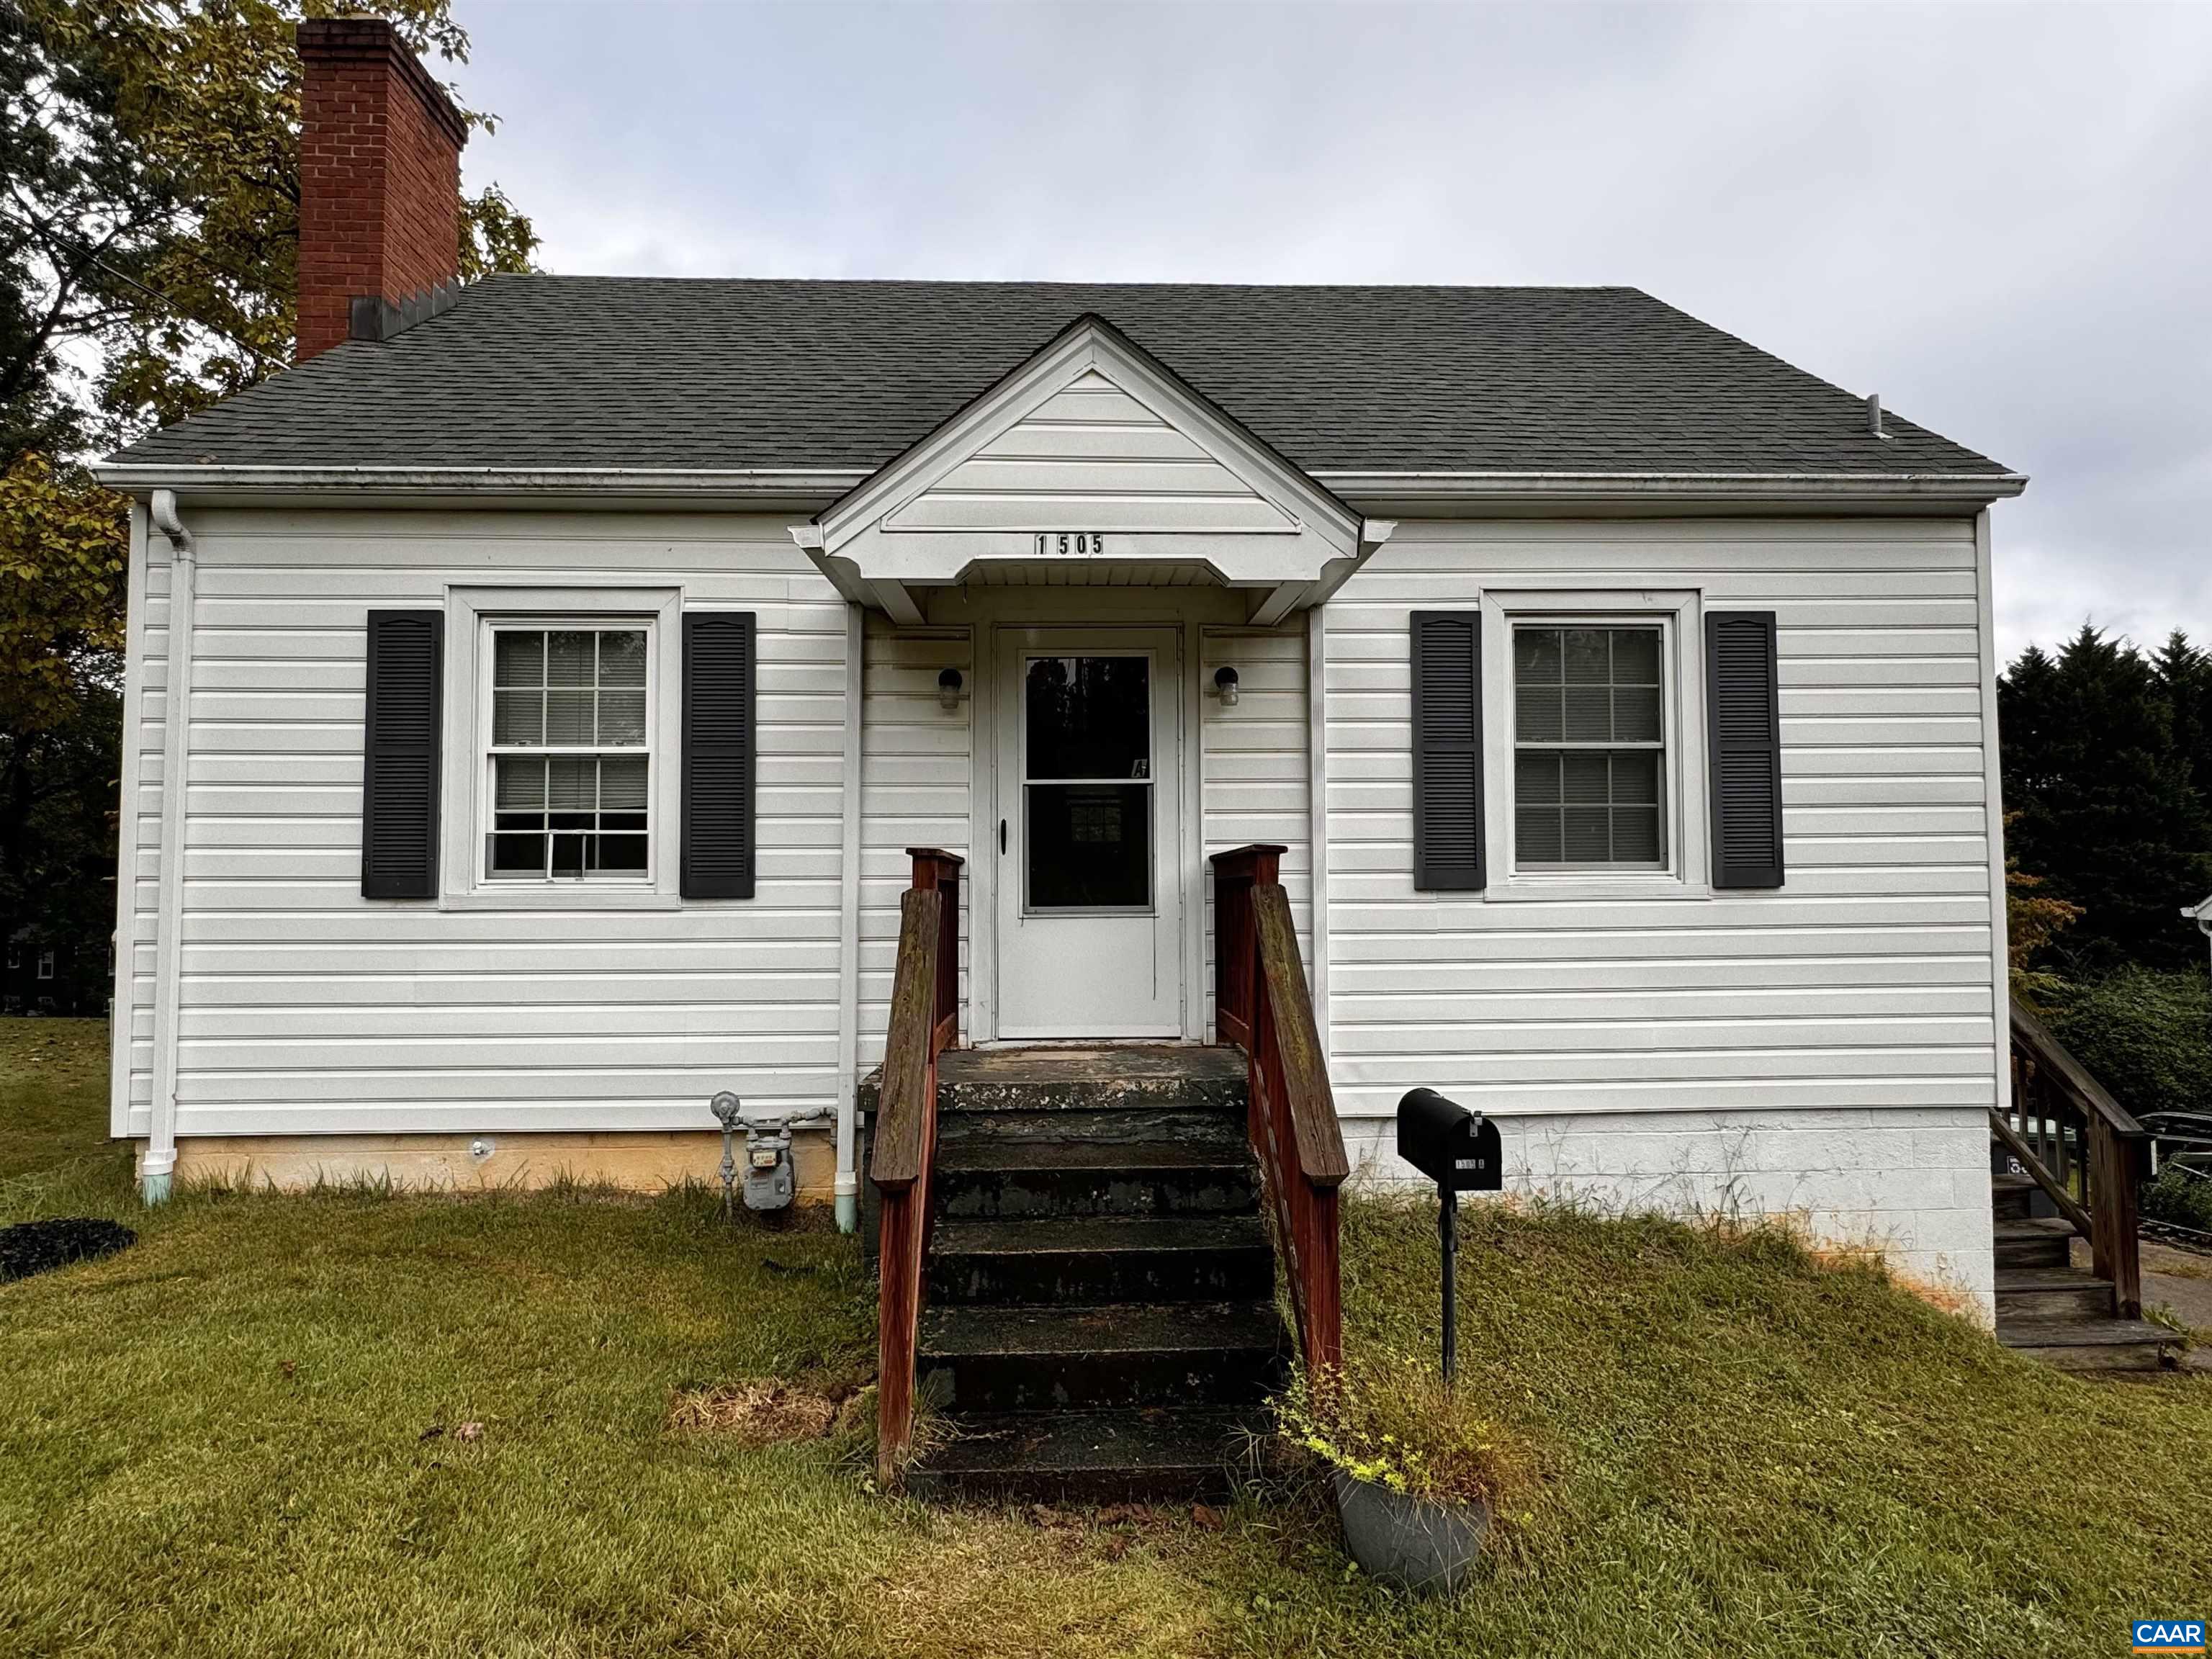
x=2146 y=1036
x=2181 y=1196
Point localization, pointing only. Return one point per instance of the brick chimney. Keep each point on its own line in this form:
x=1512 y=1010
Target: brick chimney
x=380 y=181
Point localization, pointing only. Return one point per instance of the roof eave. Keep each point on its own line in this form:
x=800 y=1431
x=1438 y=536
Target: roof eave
x=784 y=488
x=1841 y=488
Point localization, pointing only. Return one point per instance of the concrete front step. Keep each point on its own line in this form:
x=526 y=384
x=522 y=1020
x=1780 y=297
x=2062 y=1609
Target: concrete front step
x=1015 y=1179
x=1095 y=1259
x=1091 y=1358
x=2043 y=1244
x=2092 y=1344
x=1091 y=1457
x=2037 y=1293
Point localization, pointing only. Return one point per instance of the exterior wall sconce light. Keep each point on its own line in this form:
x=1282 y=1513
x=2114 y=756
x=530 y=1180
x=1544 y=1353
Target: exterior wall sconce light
x=1225 y=684
x=948 y=690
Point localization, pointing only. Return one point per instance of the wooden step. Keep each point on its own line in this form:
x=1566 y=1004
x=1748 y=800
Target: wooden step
x=1129 y=1125
x=1015 y=1179
x=1091 y=1358
x=2092 y=1344
x=1125 y=1078
x=2040 y=1244
x=2052 y=1293
x=1096 y=1259
x=1091 y=1457
x=2011 y=1197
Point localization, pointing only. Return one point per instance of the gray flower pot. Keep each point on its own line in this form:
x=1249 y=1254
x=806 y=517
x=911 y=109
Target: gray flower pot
x=1410 y=1543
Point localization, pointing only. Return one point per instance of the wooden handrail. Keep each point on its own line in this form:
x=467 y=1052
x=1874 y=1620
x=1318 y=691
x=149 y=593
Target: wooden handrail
x=2084 y=1149
x=2035 y=1038
x=925 y=1020
x=1298 y=1040
x=1262 y=1003
x=2054 y=1188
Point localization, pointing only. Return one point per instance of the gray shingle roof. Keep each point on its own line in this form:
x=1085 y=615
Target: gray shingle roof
x=561 y=372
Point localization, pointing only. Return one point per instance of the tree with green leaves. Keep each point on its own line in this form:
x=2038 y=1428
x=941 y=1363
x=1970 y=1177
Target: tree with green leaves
x=2104 y=776
x=149 y=232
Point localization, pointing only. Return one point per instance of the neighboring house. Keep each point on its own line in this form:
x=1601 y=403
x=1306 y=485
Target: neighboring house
x=557 y=670
x=49 y=976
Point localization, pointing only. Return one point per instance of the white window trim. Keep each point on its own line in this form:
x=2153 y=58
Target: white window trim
x=45 y=969
x=1680 y=617
x=465 y=776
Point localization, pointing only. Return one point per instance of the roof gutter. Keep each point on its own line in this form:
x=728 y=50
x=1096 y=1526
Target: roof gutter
x=1736 y=486
x=765 y=483
x=789 y=486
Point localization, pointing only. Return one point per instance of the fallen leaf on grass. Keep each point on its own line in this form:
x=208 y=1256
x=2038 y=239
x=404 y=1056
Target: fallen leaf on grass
x=468 y=1432
x=1206 y=1515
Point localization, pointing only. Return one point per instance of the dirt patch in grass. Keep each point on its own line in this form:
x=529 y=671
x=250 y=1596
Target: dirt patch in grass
x=760 y=1413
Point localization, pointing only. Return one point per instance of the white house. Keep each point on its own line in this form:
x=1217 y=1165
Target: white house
x=532 y=697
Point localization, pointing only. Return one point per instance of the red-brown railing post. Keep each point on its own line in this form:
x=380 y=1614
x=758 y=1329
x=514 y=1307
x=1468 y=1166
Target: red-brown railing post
x=1236 y=945
x=938 y=870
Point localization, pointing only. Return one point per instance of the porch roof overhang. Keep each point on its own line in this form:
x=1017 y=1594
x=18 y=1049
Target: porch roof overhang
x=1092 y=452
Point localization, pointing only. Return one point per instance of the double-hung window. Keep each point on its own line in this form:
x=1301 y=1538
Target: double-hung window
x=1590 y=747
x=569 y=753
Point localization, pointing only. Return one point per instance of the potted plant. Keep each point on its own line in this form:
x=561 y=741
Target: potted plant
x=1414 y=1470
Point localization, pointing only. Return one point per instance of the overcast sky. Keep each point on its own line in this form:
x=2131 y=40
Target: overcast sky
x=2000 y=218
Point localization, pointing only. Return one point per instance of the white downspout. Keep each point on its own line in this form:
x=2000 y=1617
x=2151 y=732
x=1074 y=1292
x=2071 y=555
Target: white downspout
x=159 y=1162
x=1317 y=813
x=1993 y=810
x=848 y=931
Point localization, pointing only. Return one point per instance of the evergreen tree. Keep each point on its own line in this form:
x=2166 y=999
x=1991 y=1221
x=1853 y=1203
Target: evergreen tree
x=2104 y=774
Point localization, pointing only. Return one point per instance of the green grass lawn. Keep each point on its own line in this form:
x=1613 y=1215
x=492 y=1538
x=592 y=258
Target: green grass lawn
x=221 y=1442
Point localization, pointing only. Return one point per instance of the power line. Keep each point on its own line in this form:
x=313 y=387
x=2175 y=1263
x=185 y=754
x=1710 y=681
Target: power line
x=47 y=233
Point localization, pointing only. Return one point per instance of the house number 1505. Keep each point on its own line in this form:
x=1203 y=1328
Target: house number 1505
x=1078 y=541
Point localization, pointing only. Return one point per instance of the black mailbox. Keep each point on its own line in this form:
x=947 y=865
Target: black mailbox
x=1454 y=1147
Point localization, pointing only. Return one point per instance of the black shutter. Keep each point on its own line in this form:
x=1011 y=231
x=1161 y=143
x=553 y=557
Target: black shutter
x=399 y=765
x=1447 y=750
x=1744 y=749
x=718 y=754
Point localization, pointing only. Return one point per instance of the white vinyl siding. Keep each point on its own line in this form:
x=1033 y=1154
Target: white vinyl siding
x=915 y=764
x=1823 y=1051
x=1865 y=981
x=307 y=1008
x=1254 y=762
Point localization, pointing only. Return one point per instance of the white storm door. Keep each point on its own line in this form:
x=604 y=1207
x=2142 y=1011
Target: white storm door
x=1090 y=905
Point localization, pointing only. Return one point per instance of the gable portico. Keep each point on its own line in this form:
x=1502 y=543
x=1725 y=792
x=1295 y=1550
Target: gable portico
x=1091 y=456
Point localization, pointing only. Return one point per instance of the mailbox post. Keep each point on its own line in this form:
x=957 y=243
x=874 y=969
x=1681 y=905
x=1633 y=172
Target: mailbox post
x=1459 y=1151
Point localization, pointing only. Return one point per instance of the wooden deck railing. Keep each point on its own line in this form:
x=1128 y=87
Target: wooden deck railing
x=2082 y=1148
x=1261 y=1005
x=925 y=1020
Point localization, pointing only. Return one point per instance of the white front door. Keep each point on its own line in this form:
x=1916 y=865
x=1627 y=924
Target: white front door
x=1089 y=922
